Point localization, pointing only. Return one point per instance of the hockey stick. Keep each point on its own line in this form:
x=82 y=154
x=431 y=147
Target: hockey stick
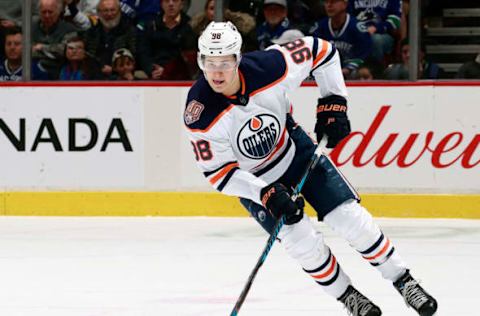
x=276 y=229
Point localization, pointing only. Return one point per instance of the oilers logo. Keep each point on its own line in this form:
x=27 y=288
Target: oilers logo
x=258 y=136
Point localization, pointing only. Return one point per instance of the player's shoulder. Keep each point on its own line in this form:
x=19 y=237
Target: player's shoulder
x=312 y=42
x=262 y=61
x=262 y=68
x=203 y=106
x=307 y=47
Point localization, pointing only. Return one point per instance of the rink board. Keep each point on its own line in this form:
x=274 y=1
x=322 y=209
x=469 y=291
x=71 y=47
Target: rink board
x=121 y=149
x=215 y=204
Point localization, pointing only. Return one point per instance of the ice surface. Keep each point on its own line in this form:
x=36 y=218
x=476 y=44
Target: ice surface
x=118 y=266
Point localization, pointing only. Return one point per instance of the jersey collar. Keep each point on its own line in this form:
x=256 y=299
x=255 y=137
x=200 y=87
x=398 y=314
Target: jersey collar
x=337 y=34
x=12 y=72
x=241 y=97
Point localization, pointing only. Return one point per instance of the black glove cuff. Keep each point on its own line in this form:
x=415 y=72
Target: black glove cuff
x=265 y=194
x=333 y=105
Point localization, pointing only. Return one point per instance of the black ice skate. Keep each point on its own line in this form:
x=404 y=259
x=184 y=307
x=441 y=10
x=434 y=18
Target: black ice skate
x=415 y=296
x=357 y=304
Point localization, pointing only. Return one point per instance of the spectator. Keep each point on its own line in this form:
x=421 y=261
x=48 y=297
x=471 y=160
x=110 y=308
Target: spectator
x=113 y=31
x=276 y=22
x=124 y=66
x=200 y=20
x=304 y=13
x=251 y=7
x=382 y=20
x=78 y=66
x=426 y=69
x=470 y=70
x=140 y=11
x=48 y=36
x=350 y=38
x=11 y=66
x=10 y=16
x=364 y=73
x=167 y=47
x=243 y=21
x=75 y=16
x=6 y=20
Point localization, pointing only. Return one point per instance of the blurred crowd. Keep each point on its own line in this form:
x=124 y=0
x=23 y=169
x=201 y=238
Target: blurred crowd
x=156 y=39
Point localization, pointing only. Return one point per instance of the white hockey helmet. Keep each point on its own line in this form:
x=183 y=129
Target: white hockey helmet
x=219 y=39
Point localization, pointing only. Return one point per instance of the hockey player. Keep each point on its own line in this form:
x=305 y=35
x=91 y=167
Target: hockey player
x=246 y=143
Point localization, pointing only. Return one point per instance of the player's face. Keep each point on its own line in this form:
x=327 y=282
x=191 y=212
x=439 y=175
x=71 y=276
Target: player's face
x=221 y=72
x=335 y=7
x=13 y=47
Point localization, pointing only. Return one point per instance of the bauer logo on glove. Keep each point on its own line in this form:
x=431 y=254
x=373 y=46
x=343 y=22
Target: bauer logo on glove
x=332 y=120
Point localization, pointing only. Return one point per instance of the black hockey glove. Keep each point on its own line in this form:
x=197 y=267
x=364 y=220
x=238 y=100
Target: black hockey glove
x=277 y=200
x=332 y=119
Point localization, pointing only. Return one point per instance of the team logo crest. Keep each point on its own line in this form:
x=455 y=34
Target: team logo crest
x=193 y=111
x=258 y=136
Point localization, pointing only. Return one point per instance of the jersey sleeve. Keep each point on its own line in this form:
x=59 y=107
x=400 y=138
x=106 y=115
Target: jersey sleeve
x=390 y=18
x=312 y=56
x=216 y=159
x=394 y=14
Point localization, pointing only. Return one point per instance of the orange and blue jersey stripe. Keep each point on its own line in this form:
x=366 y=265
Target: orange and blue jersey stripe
x=223 y=173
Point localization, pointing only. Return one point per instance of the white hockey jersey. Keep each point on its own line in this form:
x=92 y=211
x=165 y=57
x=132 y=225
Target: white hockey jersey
x=240 y=142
